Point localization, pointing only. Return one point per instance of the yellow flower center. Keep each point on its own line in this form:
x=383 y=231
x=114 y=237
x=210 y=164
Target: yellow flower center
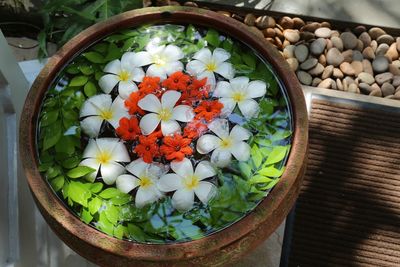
x=103 y=157
x=145 y=182
x=226 y=142
x=159 y=60
x=211 y=66
x=238 y=96
x=191 y=182
x=165 y=114
x=124 y=76
x=106 y=114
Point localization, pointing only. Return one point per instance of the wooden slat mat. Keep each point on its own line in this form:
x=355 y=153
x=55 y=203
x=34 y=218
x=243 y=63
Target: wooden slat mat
x=348 y=212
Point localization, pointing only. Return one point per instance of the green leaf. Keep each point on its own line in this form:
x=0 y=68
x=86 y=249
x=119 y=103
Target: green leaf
x=256 y=156
x=266 y=107
x=249 y=59
x=72 y=162
x=94 y=205
x=78 y=193
x=80 y=171
x=53 y=172
x=270 y=185
x=42 y=39
x=110 y=193
x=190 y=33
x=119 y=231
x=128 y=44
x=101 y=47
x=78 y=81
x=57 y=183
x=96 y=187
x=86 y=216
x=276 y=155
x=112 y=214
x=271 y=171
x=136 y=233
x=245 y=169
x=86 y=69
x=121 y=199
x=72 y=69
x=90 y=89
x=212 y=37
x=65 y=145
x=243 y=69
x=51 y=138
x=259 y=179
x=113 y=52
x=104 y=224
x=94 y=57
x=227 y=44
x=48 y=118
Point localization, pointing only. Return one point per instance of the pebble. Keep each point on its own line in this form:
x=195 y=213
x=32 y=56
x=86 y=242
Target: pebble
x=337 y=42
x=256 y=31
x=380 y=64
x=317 y=70
x=373 y=45
x=316 y=81
x=298 y=23
x=357 y=56
x=347 y=69
x=376 y=92
x=318 y=46
x=396 y=63
x=367 y=67
x=385 y=39
x=384 y=78
x=286 y=22
x=349 y=80
x=322 y=60
x=288 y=51
x=398 y=44
x=359 y=29
x=326 y=24
x=353 y=88
x=392 y=52
x=286 y=43
x=279 y=33
x=365 y=88
x=309 y=63
x=306 y=36
x=365 y=39
x=333 y=85
x=292 y=36
x=365 y=77
x=334 y=57
x=327 y=72
x=326 y=83
x=348 y=55
x=335 y=33
x=269 y=32
x=323 y=32
x=368 y=53
x=382 y=49
x=225 y=13
x=396 y=81
x=387 y=89
x=337 y=73
x=339 y=85
x=250 y=19
x=311 y=27
x=375 y=32
x=357 y=67
x=349 y=40
x=304 y=77
x=394 y=69
x=293 y=63
x=301 y=52
x=329 y=44
x=278 y=42
x=264 y=22
x=191 y=4
x=360 y=46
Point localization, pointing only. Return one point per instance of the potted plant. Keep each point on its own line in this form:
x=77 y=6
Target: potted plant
x=165 y=136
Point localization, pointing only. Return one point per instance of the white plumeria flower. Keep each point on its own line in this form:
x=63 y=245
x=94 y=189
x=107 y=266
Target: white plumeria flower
x=188 y=183
x=99 y=108
x=164 y=60
x=125 y=72
x=144 y=176
x=205 y=64
x=105 y=154
x=240 y=91
x=164 y=112
x=224 y=144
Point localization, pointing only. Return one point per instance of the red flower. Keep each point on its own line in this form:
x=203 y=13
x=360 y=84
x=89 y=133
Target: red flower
x=128 y=128
x=131 y=103
x=177 y=81
x=194 y=129
x=147 y=148
x=208 y=110
x=149 y=85
x=195 y=91
x=176 y=147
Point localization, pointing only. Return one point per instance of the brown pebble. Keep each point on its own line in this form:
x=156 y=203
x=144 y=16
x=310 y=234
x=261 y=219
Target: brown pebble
x=317 y=70
x=376 y=92
x=360 y=46
x=310 y=27
x=327 y=72
x=279 y=27
x=357 y=67
x=365 y=39
x=250 y=19
x=264 y=22
x=368 y=53
x=337 y=73
x=293 y=63
x=322 y=60
x=347 y=69
x=385 y=39
x=327 y=83
x=286 y=22
x=359 y=29
x=174 y=3
x=191 y=4
x=387 y=89
x=269 y=32
x=382 y=49
x=396 y=81
x=291 y=35
x=279 y=33
x=348 y=55
x=271 y=40
x=278 y=42
x=335 y=33
x=339 y=85
x=375 y=32
x=345 y=85
x=285 y=43
x=326 y=24
x=373 y=45
x=329 y=44
x=392 y=52
x=298 y=23
x=288 y=51
x=333 y=85
x=367 y=67
x=398 y=44
x=306 y=36
x=337 y=42
x=353 y=88
x=256 y=31
x=237 y=17
x=384 y=78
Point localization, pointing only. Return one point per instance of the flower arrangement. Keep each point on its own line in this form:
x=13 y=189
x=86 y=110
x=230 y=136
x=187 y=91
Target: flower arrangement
x=164 y=133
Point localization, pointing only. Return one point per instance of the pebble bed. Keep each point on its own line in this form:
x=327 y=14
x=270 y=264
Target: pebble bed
x=360 y=60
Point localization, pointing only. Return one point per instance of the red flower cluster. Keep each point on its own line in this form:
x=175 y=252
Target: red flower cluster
x=147 y=148
x=128 y=128
x=176 y=147
x=149 y=85
x=208 y=110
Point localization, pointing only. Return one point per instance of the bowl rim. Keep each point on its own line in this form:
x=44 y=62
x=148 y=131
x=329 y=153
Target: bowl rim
x=248 y=231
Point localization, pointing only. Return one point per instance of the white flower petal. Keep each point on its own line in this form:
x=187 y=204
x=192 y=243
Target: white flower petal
x=249 y=108
x=91 y=150
x=195 y=67
x=220 y=55
x=106 y=145
x=137 y=74
x=226 y=70
x=220 y=127
x=126 y=88
x=210 y=78
x=169 y=182
x=150 y=103
x=256 y=89
x=88 y=109
x=98 y=103
x=120 y=153
x=173 y=53
x=241 y=151
x=229 y=105
x=183 y=168
x=113 y=67
x=92 y=163
x=108 y=82
x=173 y=66
x=183 y=113
x=110 y=172
x=223 y=89
x=91 y=126
x=221 y=158
x=141 y=58
x=205 y=191
x=137 y=167
x=153 y=48
x=170 y=127
x=239 y=84
x=169 y=99
x=146 y=196
x=204 y=170
x=204 y=55
x=126 y=183
x=127 y=61
x=239 y=133
x=183 y=199
x=149 y=123
x=207 y=143
x=158 y=71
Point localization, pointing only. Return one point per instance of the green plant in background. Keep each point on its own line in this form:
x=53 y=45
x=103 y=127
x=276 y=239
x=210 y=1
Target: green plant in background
x=63 y=19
